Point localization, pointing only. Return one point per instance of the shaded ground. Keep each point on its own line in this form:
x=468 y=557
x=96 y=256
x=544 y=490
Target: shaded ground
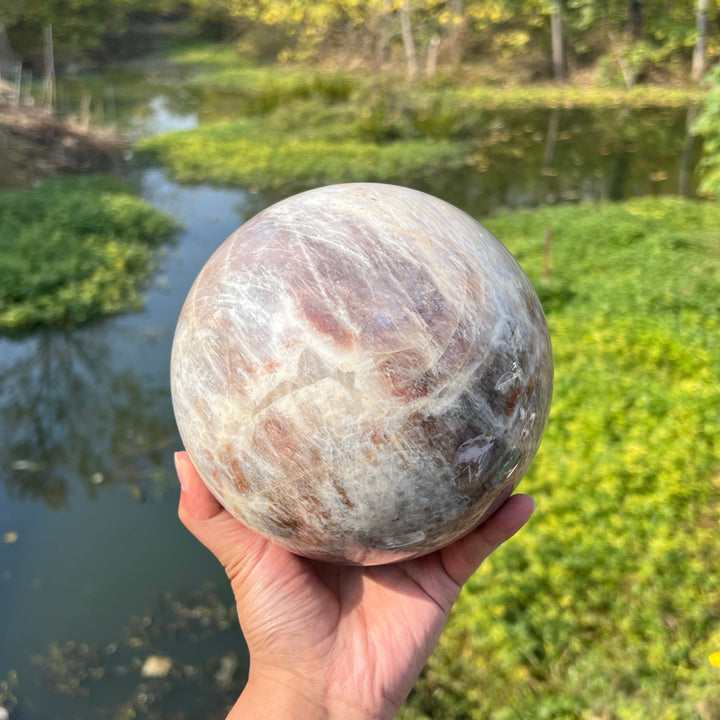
x=34 y=144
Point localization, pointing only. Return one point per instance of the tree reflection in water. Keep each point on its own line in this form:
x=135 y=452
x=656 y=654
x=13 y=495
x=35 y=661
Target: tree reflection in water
x=69 y=417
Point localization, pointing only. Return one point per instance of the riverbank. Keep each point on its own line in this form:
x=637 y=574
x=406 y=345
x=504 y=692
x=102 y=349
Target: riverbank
x=35 y=145
x=285 y=127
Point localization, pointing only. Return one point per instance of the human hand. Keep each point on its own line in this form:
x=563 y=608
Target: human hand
x=330 y=641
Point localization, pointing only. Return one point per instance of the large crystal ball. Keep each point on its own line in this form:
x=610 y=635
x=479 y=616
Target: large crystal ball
x=361 y=373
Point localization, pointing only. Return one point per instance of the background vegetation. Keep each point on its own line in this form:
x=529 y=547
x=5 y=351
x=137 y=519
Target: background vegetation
x=627 y=41
x=708 y=126
x=297 y=126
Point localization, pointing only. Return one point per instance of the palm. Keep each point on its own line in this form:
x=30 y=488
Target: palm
x=299 y=613
x=365 y=633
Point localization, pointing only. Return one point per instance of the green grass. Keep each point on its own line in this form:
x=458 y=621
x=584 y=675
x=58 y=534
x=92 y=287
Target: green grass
x=299 y=144
x=608 y=604
x=74 y=249
x=568 y=96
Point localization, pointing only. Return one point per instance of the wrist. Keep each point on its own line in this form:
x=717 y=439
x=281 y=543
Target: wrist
x=276 y=695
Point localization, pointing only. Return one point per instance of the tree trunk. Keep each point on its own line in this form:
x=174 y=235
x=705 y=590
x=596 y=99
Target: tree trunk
x=635 y=20
x=698 y=61
x=627 y=74
x=432 y=56
x=454 y=31
x=382 y=35
x=408 y=40
x=49 y=69
x=558 y=54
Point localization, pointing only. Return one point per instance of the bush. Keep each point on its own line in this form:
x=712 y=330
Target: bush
x=74 y=249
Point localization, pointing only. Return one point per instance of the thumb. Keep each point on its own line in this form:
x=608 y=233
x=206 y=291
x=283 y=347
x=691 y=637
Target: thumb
x=201 y=513
x=196 y=501
x=464 y=556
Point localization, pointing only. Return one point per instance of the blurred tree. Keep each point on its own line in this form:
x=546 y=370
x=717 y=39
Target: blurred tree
x=639 y=35
x=698 y=62
x=635 y=19
x=556 y=30
x=77 y=25
x=10 y=11
x=408 y=39
x=306 y=23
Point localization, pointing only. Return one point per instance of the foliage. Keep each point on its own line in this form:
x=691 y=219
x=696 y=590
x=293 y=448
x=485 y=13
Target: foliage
x=659 y=31
x=74 y=249
x=77 y=25
x=265 y=87
x=708 y=125
x=259 y=88
x=661 y=35
x=233 y=154
x=608 y=604
x=308 y=22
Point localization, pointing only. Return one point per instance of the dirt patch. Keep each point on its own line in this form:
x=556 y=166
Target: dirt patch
x=35 y=144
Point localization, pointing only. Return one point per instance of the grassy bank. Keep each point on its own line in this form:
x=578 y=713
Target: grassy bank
x=294 y=127
x=74 y=249
x=608 y=604
x=279 y=152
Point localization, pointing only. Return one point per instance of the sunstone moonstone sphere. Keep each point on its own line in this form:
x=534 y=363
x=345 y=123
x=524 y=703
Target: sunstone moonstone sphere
x=361 y=373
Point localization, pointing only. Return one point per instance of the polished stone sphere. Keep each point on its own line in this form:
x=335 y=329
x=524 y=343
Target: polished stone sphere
x=361 y=373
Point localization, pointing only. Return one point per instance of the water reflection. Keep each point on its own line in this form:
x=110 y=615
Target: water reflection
x=164 y=113
x=90 y=407
x=527 y=158
x=70 y=416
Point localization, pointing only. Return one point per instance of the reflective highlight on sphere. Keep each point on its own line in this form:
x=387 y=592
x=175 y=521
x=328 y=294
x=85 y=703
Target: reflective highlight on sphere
x=362 y=373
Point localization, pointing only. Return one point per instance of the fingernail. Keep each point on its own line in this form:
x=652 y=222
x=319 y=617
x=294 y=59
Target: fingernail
x=177 y=469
